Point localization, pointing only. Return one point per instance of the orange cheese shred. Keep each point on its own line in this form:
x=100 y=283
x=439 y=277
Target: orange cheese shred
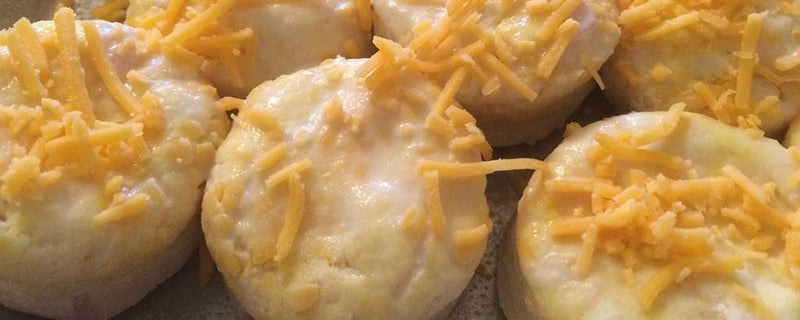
x=556 y=18
x=747 y=59
x=658 y=282
x=294 y=216
x=663 y=129
x=26 y=70
x=434 y=203
x=589 y=238
x=550 y=60
x=19 y=174
x=474 y=169
x=640 y=155
x=196 y=25
x=121 y=94
x=132 y=206
x=508 y=76
x=34 y=46
x=271 y=158
x=283 y=174
x=472 y=236
x=69 y=59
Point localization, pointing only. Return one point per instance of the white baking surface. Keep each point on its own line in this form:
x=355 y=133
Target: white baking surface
x=181 y=297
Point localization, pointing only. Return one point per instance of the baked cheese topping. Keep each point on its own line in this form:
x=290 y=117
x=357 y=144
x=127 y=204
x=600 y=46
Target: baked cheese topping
x=446 y=118
x=505 y=54
x=728 y=59
x=657 y=212
x=372 y=160
x=245 y=42
x=104 y=141
x=60 y=133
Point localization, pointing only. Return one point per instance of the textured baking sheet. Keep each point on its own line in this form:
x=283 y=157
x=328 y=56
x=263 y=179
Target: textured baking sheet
x=181 y=297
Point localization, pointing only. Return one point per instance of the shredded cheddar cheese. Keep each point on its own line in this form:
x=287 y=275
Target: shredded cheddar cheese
x=20 y=173
x=33 y=46
x=294 y=217
x=672 y=224
x=670 y=26
x=660 y=73
x=728 y=97
x=121 y=94
x=557 y=18
x=196 y=25
x=132 y=206
x=664 y=129
x=434 y=203
x=70 y=63
x=744 y=76
x=271 y=158
x=59 y=134
x=472 y=236
x=587 y=249
x=283 y=174
x=473 y=169
x=565 y=33
x=192 y=29
x=25 y=68
x=642 y=155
